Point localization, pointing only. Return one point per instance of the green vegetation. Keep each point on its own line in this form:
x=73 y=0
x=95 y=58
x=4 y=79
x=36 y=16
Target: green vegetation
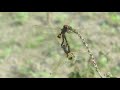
x=5 y=52
x=115 y=18
x=34 y=43
x=21 y=17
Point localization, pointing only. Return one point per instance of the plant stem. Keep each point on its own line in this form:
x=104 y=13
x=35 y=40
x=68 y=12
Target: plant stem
x=90 y=53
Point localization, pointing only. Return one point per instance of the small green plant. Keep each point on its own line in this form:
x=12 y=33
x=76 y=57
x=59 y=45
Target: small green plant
x=102 y=60
x=35 y=42
x=115 y=17
x=21 y=17
x=74 y=75
x=60 y=17
x=5 y=52
x=115 y=70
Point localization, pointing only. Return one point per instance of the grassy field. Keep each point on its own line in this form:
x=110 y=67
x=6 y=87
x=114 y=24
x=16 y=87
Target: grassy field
x=29 y=47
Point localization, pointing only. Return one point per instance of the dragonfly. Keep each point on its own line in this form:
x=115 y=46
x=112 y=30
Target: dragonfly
x=65 y=45
x=53 y=30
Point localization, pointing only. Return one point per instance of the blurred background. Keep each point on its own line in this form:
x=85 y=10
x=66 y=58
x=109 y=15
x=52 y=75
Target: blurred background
x=29 y=47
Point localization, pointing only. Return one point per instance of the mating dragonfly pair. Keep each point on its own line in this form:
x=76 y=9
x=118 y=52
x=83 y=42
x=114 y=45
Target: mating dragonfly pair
x=65 y=45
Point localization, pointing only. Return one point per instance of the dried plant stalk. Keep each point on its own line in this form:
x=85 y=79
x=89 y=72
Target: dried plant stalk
x=92 y=59
x=67 y=28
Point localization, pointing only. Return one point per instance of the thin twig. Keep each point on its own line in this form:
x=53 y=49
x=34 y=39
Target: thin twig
x=89 y=51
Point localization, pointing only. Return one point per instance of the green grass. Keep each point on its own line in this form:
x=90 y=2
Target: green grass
x=102 y=60
x=21 y=17
x=115 y=70
x=115 y=17
x=34 y=43
x=5 y=53
x=29 y=70
x=88 y=72
x=60 y=17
